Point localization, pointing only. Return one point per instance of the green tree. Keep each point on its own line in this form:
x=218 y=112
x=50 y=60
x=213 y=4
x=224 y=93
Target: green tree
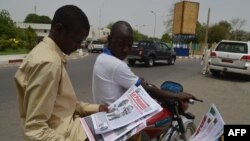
x=220 y=31
x=200 y=33
x=109 y=26
x=34 y=18
x=7 y=26
x=7 y=31
x=241 y=35
x=236 y=24
x=166 y=38
x=12 y=37
x=137 y=36
x=31 y=38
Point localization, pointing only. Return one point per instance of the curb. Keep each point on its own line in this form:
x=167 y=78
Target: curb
x=188 y=57
x=16 y=61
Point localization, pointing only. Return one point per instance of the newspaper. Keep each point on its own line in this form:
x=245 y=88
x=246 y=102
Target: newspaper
x=120 y=134
x=211 y=126
x=134 y=104
x=124 y=132
x=89 y=129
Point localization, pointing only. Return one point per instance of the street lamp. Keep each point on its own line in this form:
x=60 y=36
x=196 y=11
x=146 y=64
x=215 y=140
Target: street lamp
x=155 y=21
x=100 y=18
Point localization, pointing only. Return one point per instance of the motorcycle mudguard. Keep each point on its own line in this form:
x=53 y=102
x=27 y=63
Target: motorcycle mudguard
x=162 y=118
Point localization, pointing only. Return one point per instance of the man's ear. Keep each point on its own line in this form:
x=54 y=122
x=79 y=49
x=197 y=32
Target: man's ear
x=58 y=27
x=109 y=38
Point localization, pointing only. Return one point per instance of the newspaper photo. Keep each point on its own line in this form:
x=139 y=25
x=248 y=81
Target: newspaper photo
x=125 y=132
x=134 y=104
x=120 y=134
x=211 y=126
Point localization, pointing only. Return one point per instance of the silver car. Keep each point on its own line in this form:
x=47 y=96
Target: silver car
x=230 y=56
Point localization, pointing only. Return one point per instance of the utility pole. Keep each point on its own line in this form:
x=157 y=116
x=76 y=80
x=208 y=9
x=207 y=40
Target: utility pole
x=100 y=20
x=155 y=22
x=35 y=9
x=208 y=16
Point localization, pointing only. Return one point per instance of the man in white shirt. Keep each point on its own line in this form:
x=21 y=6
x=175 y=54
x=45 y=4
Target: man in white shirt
x=112 y=76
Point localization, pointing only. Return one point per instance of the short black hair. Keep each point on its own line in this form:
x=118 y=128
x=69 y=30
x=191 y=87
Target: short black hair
x=70 y=16
x=118 y=26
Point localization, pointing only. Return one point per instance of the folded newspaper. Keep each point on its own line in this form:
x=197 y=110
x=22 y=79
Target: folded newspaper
x=211 y=126
x=127 y=117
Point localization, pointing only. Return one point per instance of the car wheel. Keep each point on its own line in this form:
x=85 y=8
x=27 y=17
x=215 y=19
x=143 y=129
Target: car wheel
x=171 y=61
x=131 y=62
x=215 y=72
x=150 y=62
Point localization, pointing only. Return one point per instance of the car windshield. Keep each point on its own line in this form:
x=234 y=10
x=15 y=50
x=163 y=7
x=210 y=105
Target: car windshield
x=144 y=44
x=232 y=47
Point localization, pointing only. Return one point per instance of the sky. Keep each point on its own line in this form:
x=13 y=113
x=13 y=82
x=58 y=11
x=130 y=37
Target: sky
x=137 y=12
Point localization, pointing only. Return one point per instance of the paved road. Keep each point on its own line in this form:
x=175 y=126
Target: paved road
x=230 y=94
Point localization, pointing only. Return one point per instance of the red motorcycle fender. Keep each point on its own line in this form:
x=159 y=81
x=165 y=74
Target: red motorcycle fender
x=164 y=114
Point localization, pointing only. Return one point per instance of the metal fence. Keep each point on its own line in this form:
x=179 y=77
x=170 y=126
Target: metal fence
x=187 y=49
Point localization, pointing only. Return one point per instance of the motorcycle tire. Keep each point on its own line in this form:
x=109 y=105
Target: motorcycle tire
x=175 y=135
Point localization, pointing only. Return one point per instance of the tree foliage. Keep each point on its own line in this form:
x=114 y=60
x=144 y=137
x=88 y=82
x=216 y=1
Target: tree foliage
x=166 y=38
x=220 y=31
x=34 y=18
x=7 y=29
x=139 y=36
x=109 y=26
x=12 y=37
x=237 y=24
x=200 y=32
x=31 y=38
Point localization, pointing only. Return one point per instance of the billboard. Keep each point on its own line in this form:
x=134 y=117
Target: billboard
x=185 y=17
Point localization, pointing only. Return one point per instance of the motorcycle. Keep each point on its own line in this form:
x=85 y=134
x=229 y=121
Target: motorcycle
x=173 y=123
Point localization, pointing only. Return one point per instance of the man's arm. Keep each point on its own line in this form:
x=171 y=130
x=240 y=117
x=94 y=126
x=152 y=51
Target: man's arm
x=39 y=100
x=163 y=95
x=84 y=109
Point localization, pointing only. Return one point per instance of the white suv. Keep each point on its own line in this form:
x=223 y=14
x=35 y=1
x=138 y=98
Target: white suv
x=95 y=46
x=230 y=56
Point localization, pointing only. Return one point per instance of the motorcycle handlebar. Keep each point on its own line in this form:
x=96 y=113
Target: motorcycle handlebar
x=191 y=101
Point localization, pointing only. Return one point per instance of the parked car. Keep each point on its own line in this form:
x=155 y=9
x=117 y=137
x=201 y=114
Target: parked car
x=95 y=46
x=135 y=44
x=151 y=51
x=230 y=56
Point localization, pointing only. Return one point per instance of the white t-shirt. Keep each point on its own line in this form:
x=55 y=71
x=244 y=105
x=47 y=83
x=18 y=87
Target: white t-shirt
x=111 y=78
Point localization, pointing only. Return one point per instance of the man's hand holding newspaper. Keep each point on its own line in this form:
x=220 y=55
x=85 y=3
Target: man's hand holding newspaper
x=127 y=114
x=133 y=105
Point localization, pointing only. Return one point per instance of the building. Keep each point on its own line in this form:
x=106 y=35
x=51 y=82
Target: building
x=44 y=29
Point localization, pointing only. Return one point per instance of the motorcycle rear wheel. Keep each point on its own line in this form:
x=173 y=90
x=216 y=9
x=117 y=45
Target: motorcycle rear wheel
x=190 y=129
